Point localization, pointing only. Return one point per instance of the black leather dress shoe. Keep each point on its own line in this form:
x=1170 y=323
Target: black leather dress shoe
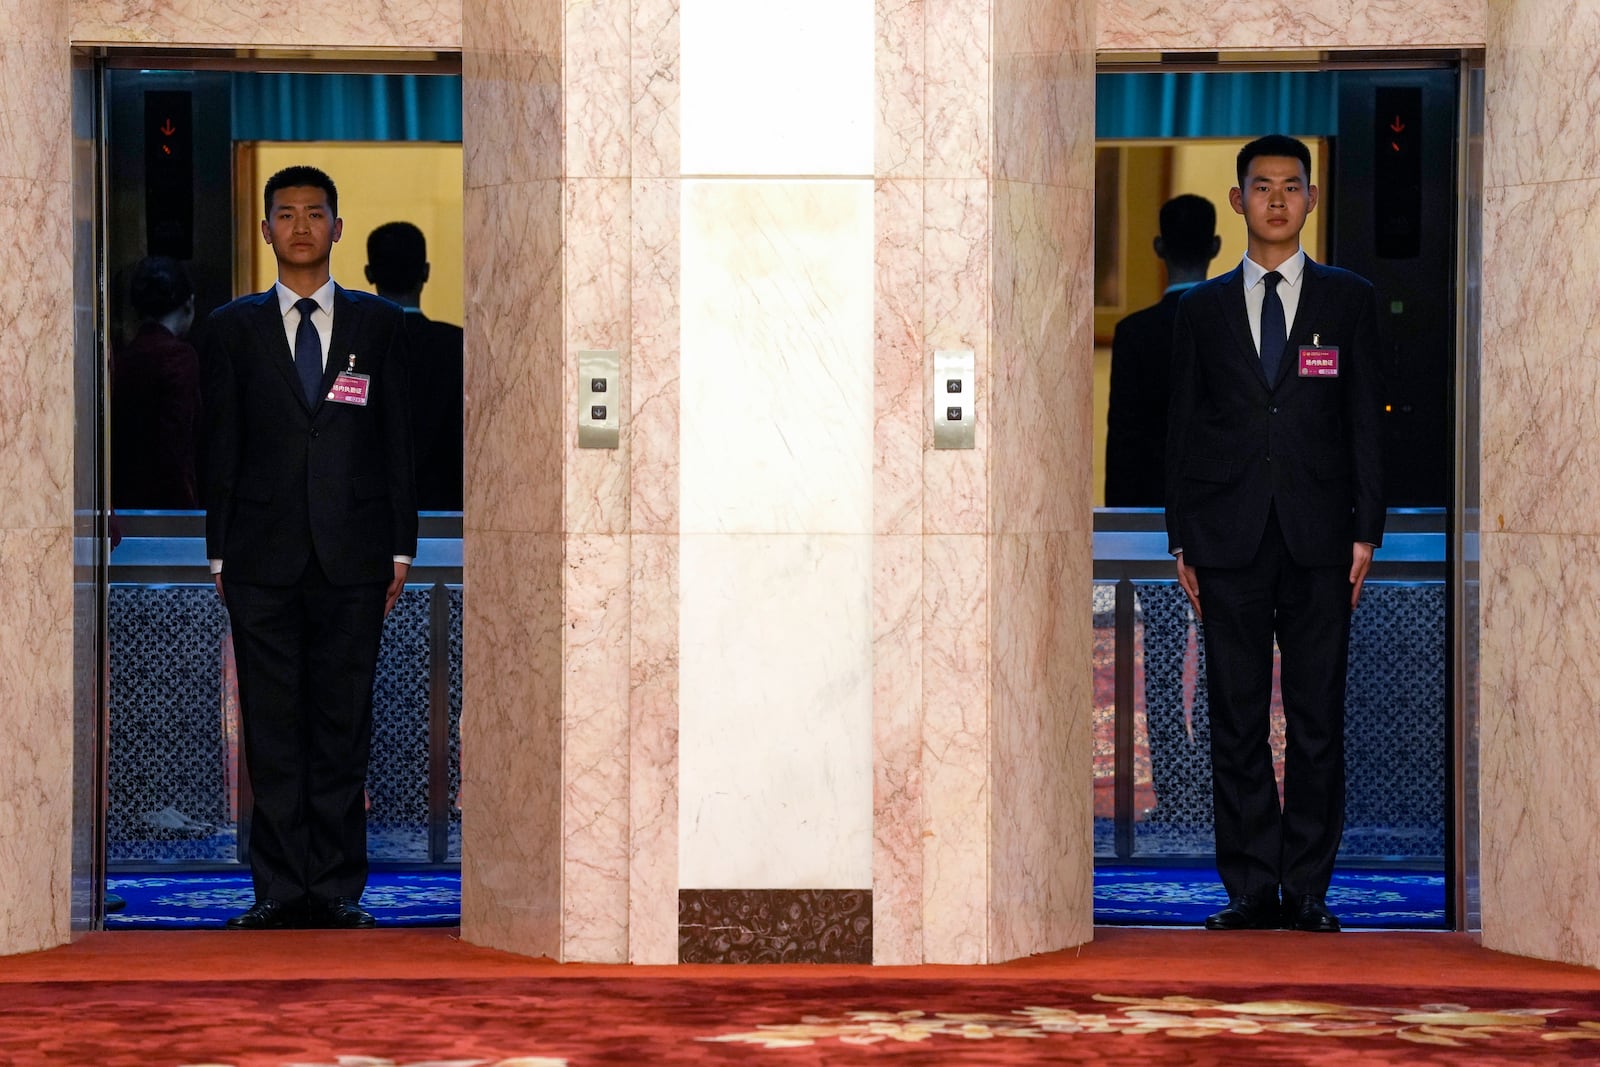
x=342 y=913
x=1248 y=911
x=1310 y=914
x=264 y=915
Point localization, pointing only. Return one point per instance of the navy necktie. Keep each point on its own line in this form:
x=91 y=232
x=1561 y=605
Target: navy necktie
x=308 y=351
x=1274 y=336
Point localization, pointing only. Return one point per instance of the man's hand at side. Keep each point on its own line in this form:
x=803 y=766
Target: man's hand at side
x=1190 y=583
x=396 y=587
x=1360 y=564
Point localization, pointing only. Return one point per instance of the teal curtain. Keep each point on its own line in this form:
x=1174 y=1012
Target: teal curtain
x=1237 y=104
x=347 y=107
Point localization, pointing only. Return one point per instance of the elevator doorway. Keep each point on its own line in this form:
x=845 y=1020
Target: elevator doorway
x=1393 y=156
x=180 y=151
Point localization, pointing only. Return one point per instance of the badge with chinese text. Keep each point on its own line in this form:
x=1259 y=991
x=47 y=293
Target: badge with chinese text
x=350 y=387
x=1319 y=361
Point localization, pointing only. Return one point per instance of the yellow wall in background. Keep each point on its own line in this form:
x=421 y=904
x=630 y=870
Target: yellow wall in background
x=378 y=182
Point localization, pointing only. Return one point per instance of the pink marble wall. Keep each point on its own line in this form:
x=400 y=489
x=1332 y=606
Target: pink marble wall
x=984 y=167
x=1208 y=25
x=1041 y=848
x=288 y=24
x=516 y=549
x=1541 y=529
x=36 y=512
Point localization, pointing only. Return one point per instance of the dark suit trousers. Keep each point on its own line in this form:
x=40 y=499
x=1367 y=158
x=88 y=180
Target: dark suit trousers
x=1261 y=845
x=306 y=655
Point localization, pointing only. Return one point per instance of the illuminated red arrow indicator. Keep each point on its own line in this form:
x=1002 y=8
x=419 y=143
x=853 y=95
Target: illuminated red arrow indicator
x=169 y=129
x=1397 y=125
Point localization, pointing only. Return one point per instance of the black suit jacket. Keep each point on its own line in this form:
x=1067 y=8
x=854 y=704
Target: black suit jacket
x=284 y=479
x=1136 y=418
x=1238 y=444
x=437 y=388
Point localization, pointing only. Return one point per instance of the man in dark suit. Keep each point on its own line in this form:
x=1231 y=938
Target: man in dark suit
x=311 y=526
x=397 y=266
x=1136 y=446
x=1274 y=507
x=1141 y=358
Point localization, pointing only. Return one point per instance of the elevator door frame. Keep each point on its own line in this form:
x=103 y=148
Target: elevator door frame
x=92 y=347
x=1463 y=906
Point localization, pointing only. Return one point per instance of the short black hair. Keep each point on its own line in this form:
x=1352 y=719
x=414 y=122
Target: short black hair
x=1188 y=228
x=1273 y=144
x=396 y=254
x=160 y=285
x=293 y=177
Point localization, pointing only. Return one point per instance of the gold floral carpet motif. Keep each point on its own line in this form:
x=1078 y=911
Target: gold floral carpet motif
x=788 y=1021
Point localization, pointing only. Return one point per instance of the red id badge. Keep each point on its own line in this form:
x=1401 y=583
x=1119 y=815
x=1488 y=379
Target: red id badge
x=350 y=388
x=1319 y=362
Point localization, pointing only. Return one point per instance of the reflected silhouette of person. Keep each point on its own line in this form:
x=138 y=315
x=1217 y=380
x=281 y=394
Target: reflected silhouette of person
x=398 y=268
x=155 y=394
x=1136 y=442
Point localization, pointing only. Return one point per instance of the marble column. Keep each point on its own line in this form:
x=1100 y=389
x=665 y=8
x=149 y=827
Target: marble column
x=1541 y=458
x=36 y=467
x=515 y=553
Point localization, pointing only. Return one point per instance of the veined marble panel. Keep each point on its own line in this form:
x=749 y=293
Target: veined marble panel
x=955 y=749
x=654 y=81
x=777 y=331
x=1541 y=387
x=36 y=770
x=511 y=767
x=775 y=712
x=36 y=410
x=514 y=406
x=652 y=430
x=598 y=68
x=1044 y=92
x=596 y=841
x=1040 y=452
x=956 y=246
x=35 y=22
x=902 y=81
x=900 y=374
x=35 y=117
x=653 y=750
x=511 y=120
x=897 y=710
x=598 y=270
x=1212 y=25
x=957 y=85
x=1041 y=851
x=1542 y=93
x=780 y=89
x=1539 y=745
x=290 y=24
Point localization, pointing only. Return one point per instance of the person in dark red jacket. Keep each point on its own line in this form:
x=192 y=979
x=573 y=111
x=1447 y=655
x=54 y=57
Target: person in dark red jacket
x=155 y=394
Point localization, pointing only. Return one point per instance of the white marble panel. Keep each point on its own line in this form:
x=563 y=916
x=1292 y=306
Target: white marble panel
x=772 y=88
x=775 y=717
x=777 y=357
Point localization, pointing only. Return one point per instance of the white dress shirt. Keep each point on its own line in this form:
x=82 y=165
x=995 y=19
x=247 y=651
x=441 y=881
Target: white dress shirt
x=1292 y=269
x=322 y=318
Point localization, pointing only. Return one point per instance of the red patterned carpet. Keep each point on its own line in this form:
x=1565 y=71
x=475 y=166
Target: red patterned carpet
x=409 y=999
